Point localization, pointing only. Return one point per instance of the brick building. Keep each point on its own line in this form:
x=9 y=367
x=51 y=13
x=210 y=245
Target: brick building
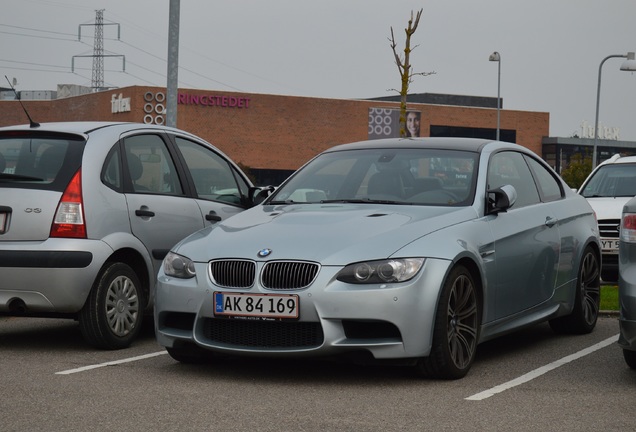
x=270 y=132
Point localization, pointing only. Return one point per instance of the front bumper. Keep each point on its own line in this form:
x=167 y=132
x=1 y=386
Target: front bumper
x=388 y=321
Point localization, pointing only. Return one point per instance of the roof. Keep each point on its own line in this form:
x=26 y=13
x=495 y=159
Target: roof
x=466 y=144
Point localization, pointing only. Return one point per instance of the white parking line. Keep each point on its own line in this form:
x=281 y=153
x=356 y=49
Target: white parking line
x=111 y=363
x=542 y=370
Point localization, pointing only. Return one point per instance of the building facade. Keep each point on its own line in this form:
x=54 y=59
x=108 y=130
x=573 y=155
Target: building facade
x=273 y=132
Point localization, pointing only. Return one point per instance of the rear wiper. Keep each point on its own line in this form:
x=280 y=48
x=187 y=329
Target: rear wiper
x=5 y=176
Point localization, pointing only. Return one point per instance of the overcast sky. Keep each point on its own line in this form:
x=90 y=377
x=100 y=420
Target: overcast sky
x=550 y=49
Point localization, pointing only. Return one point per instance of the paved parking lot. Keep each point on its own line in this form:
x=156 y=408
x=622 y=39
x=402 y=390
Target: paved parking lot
x=533 y=380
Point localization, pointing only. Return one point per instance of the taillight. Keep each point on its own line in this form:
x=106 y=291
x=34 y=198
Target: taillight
x=628 y=227
x=69 y=217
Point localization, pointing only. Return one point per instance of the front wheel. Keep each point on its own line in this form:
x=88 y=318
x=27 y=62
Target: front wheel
x=456 y=329
x=113 y=313
x=587 y=299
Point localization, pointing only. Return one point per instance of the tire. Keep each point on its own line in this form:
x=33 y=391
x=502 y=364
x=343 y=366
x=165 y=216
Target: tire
x=456 y=329
x=609 y=276
x=587 y=299
x=630 y=358
x=113 y=313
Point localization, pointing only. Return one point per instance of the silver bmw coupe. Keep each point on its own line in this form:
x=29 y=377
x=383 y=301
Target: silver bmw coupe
x=412 y=250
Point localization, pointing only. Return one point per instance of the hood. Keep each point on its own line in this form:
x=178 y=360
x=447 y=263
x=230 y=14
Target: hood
x=608 y=207
x=332 y=234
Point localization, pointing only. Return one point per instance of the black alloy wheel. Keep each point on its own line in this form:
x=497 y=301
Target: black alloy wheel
x=456 y=329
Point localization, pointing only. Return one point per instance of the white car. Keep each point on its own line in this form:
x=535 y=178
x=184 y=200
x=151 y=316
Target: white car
x=607 y=189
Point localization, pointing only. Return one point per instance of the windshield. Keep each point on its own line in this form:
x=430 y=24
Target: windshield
x=616 y=180
x=391 y=176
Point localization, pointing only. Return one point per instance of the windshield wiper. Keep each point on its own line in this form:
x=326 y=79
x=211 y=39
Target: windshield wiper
x=5 y=176
x=361 y=201
x=281 y=202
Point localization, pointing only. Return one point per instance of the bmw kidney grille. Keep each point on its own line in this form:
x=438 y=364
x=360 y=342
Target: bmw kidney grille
x=275 y=275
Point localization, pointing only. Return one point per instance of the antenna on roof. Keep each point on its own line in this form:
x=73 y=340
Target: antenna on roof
x=31 y=122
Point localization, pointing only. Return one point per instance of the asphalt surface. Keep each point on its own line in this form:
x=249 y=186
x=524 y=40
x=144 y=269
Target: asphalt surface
x=52 y=381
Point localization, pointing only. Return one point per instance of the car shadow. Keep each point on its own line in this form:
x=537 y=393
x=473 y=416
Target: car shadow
x=53 y=334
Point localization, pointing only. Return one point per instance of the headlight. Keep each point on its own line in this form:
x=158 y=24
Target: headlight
x=384 y=271
x=178 y=266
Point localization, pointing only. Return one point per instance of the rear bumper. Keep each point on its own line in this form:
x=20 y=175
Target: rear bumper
x=50 y=277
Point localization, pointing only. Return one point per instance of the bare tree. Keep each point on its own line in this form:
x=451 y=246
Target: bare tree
x=405 y=68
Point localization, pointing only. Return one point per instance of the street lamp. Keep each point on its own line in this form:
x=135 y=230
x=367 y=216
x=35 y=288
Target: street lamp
x=495 y=57
x=628 y=65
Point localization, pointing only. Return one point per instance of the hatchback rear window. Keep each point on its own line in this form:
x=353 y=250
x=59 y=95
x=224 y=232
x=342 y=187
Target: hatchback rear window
x=39 y=161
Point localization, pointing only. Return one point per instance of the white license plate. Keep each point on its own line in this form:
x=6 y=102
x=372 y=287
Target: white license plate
x=609 y=245
x=259 y=306
x=3 y=222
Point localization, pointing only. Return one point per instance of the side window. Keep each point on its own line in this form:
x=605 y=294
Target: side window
x=548 y=185
x=510 y=168
x=150 y=165
x=214 y=178
x=111 y=173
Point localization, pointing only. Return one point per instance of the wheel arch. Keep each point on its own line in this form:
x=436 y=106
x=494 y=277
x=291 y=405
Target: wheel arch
x=137 y=263
x=476 y=273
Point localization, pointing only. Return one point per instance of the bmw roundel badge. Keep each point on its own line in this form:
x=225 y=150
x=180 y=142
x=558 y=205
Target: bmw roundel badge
x=264 y=252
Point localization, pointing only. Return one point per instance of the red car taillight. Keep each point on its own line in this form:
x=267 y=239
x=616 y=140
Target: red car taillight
x=628 y=228
x=69 y=217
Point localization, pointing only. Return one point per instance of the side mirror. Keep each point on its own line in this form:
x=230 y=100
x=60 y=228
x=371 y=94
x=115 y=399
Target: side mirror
x=501 y=199
x=258 y=194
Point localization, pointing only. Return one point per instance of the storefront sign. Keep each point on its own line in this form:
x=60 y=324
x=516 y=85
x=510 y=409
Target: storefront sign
x=605 y=133
x=213 y=100
x=119 y=104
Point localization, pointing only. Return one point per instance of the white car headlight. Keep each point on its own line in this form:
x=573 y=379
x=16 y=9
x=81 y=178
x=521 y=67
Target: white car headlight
x=383 y=271
x=178 y=266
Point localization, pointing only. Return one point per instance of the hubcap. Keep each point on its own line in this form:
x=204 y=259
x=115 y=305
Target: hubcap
x=590 y=288
x=462 y=322
x=122 y=306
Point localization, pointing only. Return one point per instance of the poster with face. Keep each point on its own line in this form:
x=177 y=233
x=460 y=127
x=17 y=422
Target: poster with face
x=385 y=123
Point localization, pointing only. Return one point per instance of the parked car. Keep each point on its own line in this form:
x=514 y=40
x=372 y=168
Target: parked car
x=88 y=211
x=410 y=250
x=627 y=284
x=607 y=189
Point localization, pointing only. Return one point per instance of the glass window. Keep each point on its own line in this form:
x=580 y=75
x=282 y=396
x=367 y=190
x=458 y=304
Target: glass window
x=550 y=187
x=393 y=176
x=214 y=178
x=510 y=168
x=611 y=181
x=150 y=165
x=111 y=174
x=34 y=161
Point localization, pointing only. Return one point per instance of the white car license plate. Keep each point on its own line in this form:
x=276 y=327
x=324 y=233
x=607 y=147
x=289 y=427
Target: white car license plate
x=609 y=245
x=260 y=306
x=3 y=222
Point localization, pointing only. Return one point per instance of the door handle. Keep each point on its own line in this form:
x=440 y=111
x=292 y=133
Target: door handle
x=144 y=213
x=550 y=222
x=213 y=217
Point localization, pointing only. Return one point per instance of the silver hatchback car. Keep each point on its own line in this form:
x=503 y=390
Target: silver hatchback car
x=89 y=210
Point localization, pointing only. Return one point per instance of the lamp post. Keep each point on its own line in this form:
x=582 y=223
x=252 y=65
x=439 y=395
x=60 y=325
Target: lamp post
x=628 y=65
x=496 y=57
